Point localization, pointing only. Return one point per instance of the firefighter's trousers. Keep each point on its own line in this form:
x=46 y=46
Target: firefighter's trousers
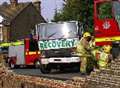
x=87 y=64
x=83 y=64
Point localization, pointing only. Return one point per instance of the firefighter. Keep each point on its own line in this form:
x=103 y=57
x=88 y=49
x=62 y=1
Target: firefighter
x=92 y=46
x=94 y=50
x=83 y=51
x=92 y=43
x=104 y=57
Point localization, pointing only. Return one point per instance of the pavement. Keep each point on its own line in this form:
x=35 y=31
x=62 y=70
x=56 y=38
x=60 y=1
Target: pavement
x=66 y=75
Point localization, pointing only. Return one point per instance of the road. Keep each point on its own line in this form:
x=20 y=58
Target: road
x=53 y=75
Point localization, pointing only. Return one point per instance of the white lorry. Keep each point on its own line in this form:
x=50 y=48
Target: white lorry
x=57 y=44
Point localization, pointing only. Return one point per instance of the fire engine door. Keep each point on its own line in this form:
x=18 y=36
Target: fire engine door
x=20 y=54
x=11 y=51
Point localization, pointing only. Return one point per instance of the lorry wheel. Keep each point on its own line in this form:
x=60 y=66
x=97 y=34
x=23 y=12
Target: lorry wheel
x=45 y=69
x=116 y=49
x=37 y=64
x=11 y=65
x=115 y=52
x=62 y=69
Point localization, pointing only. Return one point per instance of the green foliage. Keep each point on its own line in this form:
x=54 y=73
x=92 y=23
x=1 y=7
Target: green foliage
x=79 y=10
x=105 y=10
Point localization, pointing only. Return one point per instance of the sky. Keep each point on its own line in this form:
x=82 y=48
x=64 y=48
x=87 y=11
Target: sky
x=47 y=7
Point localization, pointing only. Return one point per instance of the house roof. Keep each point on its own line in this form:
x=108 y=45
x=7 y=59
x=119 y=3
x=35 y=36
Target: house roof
x=9 y=12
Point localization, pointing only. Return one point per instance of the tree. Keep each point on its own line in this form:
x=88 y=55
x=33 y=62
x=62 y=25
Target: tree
x=4 y=3
x=80 y=10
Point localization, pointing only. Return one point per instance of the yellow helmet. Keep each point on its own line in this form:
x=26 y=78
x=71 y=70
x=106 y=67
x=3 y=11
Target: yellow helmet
x=107 y=48
x=86 y=34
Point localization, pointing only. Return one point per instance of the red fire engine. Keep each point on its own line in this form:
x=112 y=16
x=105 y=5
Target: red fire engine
x=107 y=24
x=24 y=53
x=106 y=21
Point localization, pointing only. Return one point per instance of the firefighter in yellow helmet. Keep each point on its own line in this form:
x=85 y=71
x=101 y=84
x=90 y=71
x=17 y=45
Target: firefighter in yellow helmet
x=104 y=57
x=83 y=51
x=92 y=46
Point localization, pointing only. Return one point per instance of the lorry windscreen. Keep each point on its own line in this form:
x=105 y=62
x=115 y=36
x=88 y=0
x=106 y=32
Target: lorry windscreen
x=57 y=30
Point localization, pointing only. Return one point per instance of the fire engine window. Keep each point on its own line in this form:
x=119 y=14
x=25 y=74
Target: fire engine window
x=116 y=10
x=105 y=10
x=33 y=45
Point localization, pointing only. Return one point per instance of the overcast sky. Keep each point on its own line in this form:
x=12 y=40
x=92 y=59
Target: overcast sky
x=48 y=7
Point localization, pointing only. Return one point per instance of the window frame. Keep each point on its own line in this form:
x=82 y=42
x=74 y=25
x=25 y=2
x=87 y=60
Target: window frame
x=1 y=32
x=97 y=8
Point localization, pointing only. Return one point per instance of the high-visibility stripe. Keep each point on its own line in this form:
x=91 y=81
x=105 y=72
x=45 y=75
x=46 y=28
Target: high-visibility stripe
x=26 y=53
x=38 y=52
x=5 y=44
x=32 y=53
x=117 y=38
x=11 y=44
x=18 y=43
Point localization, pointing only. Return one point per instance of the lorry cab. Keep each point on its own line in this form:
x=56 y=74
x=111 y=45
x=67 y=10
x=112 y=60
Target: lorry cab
x=106 y=21
x=57 y=43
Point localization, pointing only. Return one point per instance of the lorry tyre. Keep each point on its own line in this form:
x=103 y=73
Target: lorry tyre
x=116 y=49
x=11 y=65
x=62 y=69
x=45 y=69
x=37 y=64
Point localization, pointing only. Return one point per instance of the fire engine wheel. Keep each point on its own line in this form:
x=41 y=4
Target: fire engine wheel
x=45 y=69
x=37 y=64
x=11 y=65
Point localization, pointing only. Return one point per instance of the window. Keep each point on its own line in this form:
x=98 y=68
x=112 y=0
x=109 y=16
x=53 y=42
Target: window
x=116 y=10
x=33 y=45
x=104 y=10
x=58 y=30
x=1 y=34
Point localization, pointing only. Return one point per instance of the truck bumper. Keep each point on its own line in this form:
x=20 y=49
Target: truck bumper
x=60 y=60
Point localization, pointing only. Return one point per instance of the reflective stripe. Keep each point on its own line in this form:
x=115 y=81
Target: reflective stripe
x=102 y=63
x=103 y=60
x=11 y=44
x=38 y=52
x=5 y=44
x=117 y=38
x=32 y=53
x=17 y=43
x=26 y=53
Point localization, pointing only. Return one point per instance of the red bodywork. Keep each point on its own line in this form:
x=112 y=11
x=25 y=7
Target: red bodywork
x=30 y=56
x=105 y=27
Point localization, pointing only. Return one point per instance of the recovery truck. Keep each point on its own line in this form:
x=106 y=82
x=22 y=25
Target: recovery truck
x=57 y=44
x=107 y=24
x=23 y=53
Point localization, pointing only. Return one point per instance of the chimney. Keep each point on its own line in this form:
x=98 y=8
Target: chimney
x=37 y=4
x=14 y=2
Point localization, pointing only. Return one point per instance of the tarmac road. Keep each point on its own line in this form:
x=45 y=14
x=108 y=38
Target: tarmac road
x=67 y=75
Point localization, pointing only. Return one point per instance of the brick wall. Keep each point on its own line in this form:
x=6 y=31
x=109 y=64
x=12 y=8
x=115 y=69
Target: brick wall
x=108 y=78
x=10 y=80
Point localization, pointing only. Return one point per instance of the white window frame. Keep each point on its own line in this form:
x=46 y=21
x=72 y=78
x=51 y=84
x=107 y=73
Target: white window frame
x=1 y=33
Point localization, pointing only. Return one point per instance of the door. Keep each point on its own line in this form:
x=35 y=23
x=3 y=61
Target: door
x=20 y=54
x=31 y=51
